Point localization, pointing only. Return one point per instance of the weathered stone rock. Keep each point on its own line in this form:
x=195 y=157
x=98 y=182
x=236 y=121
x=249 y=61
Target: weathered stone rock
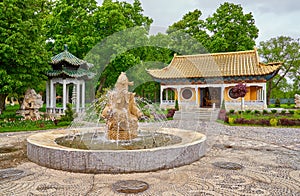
x=31 y=104
x=121 y=113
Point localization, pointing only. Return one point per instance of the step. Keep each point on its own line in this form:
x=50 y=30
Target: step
x=197 y=114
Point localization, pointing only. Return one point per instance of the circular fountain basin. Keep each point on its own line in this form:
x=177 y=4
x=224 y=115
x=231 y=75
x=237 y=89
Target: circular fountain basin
x=43 y=150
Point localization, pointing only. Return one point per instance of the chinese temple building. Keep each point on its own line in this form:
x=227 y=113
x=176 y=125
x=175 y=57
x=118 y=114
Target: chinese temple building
x=205 y=80
x=69 y=72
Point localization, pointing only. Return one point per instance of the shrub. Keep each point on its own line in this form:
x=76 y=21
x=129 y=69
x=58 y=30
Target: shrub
x=291 y=111
x=264 y=122
x=69 y=114
x=226 y=119
x=265 y=112
x=274 y=111
x=277 y=103
x=171 y=113
x=231 y=120
x=231 y=111
x=283 y=111
x=288 y=103
x=273 y=122
x=223 y=105
x=256 y=112
x=239 y=121
x=222 y=115
x=248 y=111
x=176 y=105
x=252 y=122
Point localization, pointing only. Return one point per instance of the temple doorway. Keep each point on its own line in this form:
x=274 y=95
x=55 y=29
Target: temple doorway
x=210 y=96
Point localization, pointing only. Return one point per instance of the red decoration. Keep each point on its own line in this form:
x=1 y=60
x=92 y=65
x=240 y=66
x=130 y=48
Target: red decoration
x=239 y=90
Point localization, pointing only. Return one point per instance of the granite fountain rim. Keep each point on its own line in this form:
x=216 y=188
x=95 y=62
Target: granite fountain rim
x=47 y=139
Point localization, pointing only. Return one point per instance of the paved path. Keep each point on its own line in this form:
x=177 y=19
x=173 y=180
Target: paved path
x=270 y=158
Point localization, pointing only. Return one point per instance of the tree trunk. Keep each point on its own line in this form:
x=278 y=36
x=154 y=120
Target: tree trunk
x=2 y=102
x=102 y=81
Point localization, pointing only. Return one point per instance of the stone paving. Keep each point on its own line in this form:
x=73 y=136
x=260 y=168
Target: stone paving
x=270 y=160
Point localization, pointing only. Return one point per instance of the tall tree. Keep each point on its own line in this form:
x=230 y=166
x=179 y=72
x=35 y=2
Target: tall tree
x=193 y=25
x=72 y=22
x=23 y=58
x=118 y=23
x=228 y=29
x=281 y=49
x=231 y=29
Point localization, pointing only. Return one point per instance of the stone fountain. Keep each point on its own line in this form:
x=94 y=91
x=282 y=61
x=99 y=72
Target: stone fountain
x=170 y=147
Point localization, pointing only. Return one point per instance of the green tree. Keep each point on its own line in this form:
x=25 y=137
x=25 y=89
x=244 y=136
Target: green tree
x=281 y=49
x=231 y=29
x=192 y=24
x=72 y=22
x=23 y=58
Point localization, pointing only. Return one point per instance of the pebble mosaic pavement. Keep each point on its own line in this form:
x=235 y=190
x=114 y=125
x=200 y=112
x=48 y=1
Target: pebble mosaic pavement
x=270 y=158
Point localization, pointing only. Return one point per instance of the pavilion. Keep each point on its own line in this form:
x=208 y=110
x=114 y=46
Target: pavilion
x=205 y=80
x=72 y=73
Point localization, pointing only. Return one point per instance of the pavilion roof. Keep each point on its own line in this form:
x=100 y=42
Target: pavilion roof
x=71 y=73
x=66 y=56
x=242 y=63
x=66 y=64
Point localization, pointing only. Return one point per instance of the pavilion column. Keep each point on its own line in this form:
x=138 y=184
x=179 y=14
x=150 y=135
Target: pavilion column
x=161 y=94
x=47 y=94
x=167 y=95
x=265 y=95
x=77 y=96
x=51 y=96
x=178 y=95
x=83 y=95
x=54 y=98
x=68 y=91
x=64 y=95
x=222 y=95
x=197 y=96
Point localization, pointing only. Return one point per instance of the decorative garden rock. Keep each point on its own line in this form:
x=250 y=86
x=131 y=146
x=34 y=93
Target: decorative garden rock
x=31 y=104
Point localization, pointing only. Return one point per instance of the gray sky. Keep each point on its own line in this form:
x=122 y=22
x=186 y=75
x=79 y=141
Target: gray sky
x=272 y=17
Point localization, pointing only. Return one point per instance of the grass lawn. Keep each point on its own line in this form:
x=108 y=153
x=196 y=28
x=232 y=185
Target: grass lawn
x=284 y=106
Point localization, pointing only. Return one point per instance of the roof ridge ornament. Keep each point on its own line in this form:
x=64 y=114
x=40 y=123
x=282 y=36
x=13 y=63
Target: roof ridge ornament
x=65 y=47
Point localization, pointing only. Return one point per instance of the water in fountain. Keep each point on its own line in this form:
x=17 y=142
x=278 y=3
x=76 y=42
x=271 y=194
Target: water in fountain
x=121 y=111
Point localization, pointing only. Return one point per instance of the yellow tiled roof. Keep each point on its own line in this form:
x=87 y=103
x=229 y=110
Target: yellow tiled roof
x=243 y=63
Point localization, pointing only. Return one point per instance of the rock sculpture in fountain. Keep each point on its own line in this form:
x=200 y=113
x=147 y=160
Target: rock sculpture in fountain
x=31 y=104
x=121 y=113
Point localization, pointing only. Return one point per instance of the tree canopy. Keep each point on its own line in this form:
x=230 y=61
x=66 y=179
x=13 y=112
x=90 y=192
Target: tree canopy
x=23 y=55
x=228 y=29
x=115 y=37
x=286 y=50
